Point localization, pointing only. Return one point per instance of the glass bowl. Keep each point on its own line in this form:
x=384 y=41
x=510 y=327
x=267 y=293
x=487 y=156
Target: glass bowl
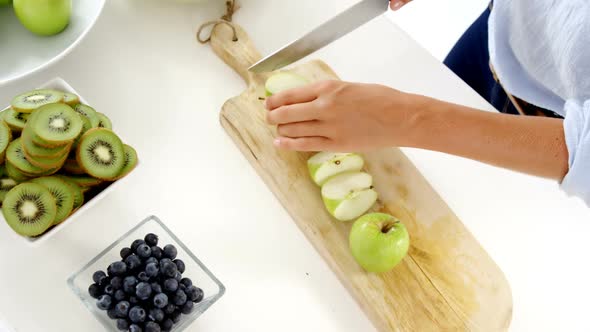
x=195 y=270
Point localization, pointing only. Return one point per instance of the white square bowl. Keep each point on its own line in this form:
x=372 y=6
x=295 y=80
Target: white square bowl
x=60 y=84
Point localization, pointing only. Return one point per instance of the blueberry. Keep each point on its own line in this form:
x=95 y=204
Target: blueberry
x=187 y=308
x=137 y=314
x=94 y=291
x=170 y=285
x=182 y=287
x=179 y=298
x=142 y=276
x=175 y=316
x=135 y=328
x=156 y=252
x=98 y=275
x=152 y=260
x=125 y=252
x=194 y=294
x=170 y=251
x=133 y=300
x=165 y=261
x=122 y=309
x=129 y=284
x=156 y=288
x=108 y=289
x=136 y=244
x=104 y=281
x=161 y=300
x=152 y=327
x=167 y=325
x=152 y=270
x=112 y=314
x=169 y=269
x=169 y=309
x=122 y=324
x=133 y=262
x=143 y=291
x=117 y=283
x=156 y=314
x=151 y=239
x=120 y=295
x=144 y=251
x=117 y=269
x=187 y=282
x=104 y=302
x=180 y=265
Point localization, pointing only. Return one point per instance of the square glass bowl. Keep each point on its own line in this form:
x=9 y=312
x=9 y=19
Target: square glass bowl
x=61 y=85
x=195 y=270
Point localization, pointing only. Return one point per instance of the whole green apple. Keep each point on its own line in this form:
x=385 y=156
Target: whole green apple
x=44 y=17
x=378 y=242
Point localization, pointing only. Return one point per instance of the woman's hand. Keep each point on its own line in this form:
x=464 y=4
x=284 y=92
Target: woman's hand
x=397 y=4
x=341 y=116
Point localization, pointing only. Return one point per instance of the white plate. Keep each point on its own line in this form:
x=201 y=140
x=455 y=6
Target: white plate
x=61 y=85
x=23 y=53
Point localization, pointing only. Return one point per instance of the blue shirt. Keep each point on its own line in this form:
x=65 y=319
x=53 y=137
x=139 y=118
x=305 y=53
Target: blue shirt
x=540 y=50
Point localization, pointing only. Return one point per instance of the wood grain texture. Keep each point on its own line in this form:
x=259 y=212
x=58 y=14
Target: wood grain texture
x=446 y=283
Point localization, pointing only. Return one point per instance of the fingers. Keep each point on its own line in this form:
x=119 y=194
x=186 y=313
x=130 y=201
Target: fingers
x=302 y=143
x=301 y=129
x=292 y=113
x=397 y=4
x=293 y=96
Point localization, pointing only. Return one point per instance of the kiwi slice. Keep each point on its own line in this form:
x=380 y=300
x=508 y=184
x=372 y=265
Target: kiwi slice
x=46 y=163
x=34 y=150
x=30 y=101
x=130 y=161
x=63 y=194
x=77 y=191
x=104 y=121
x=15 y=174
x=71 y=167
x=16 y=156
x=56 y=123
x=29 y=209
x=15 y=120
x=6 y=183
x=85 y=181
x=5 y=137
x=71 y=99
x=89 y=113
x=101 y=154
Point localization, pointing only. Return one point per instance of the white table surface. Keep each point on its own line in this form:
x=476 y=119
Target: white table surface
x=142 y=66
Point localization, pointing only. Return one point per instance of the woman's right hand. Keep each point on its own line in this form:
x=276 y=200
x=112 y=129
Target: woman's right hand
x=397 y=4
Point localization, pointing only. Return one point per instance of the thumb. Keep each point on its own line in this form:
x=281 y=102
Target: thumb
x=397 y=4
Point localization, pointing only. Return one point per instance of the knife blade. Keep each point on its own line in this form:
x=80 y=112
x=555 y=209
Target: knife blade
x=342 y=24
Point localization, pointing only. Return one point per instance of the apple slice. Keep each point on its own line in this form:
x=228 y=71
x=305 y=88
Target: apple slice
x=349 y=195
x=325 y=165
x=284 y=81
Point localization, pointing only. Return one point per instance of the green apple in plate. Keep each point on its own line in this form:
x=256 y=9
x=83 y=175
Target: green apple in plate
x=283 y=81
x=324 y=165
x=378 y=242
x=349 y=195
x=44 y=17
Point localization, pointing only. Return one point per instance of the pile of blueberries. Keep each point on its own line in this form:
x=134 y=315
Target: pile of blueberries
x=145 y=291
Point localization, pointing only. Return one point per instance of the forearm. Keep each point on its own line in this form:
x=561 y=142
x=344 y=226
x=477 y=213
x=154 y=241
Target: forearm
x=533 y=145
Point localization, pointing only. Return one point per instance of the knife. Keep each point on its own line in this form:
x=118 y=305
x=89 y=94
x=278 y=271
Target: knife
x=344 y=23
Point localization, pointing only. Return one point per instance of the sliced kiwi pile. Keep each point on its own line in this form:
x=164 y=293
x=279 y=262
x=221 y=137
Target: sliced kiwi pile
x=55 y=154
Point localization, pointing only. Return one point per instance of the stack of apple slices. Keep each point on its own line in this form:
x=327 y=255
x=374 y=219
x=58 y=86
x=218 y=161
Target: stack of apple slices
x=378 y=241
x=347 y=191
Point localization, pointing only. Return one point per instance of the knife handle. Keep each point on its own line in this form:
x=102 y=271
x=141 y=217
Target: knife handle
x=233 y=45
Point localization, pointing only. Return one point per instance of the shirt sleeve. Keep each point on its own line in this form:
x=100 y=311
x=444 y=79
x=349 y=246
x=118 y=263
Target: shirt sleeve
x=577 y=137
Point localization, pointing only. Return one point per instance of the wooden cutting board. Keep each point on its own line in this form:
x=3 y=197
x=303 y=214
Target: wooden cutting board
x=446 y=283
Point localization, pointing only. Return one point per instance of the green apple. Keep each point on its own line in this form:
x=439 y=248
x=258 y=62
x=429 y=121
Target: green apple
x=325 y=165
x=349 y=195
x=44 y=17
x=378 y=242
x=283 y=81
